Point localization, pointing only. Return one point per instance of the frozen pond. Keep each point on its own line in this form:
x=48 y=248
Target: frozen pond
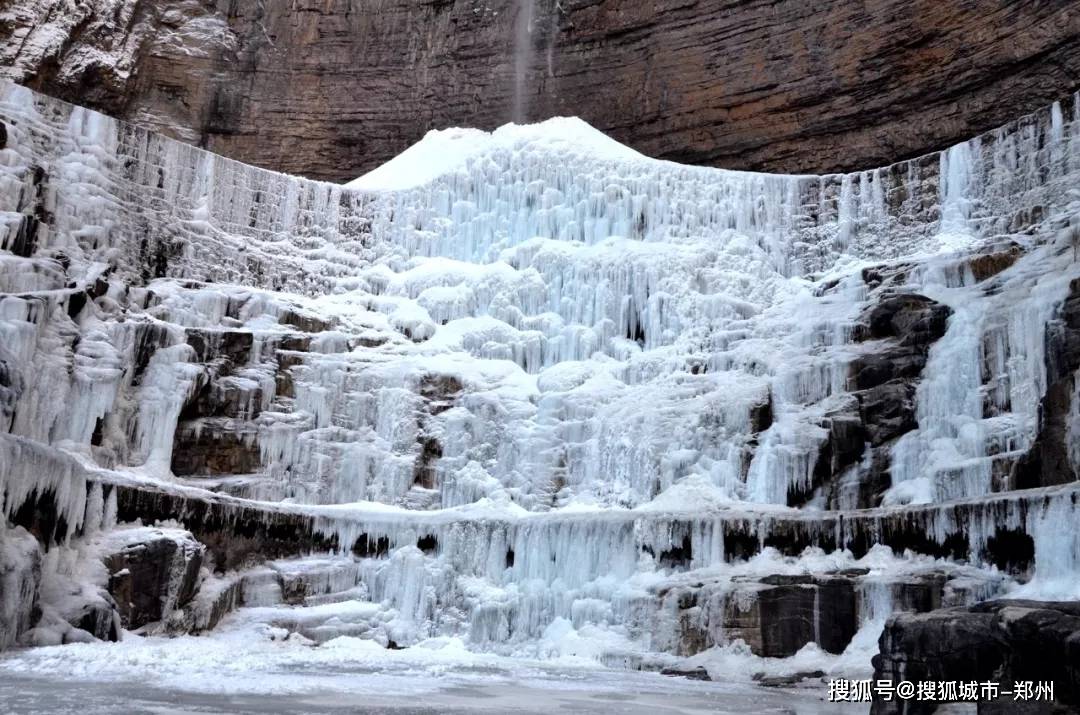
x=456 y=692
x=177 y=676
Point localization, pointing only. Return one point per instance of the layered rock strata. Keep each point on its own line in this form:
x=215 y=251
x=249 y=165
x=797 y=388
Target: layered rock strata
x=331 y=89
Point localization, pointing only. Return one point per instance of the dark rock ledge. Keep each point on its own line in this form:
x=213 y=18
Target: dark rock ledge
x=1003 y=641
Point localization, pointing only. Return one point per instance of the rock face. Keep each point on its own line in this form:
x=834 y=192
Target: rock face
x=790 y=611
x=217 y=596
x=777 y=615
x=329 y=89
x=1003 y=641
x=152 y=573
x=885 y=379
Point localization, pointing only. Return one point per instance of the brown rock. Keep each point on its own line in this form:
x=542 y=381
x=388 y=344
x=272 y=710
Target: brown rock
x=780 y=681
x=215 y=446
x=304 y=321
x=914 y=319
x=988 y=265
x=888 y=411
x=787 y=612
x=212 y=603
x=844 y=445
x=344 y=86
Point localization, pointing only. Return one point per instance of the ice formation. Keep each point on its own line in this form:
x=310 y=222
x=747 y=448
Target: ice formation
x=545 y=394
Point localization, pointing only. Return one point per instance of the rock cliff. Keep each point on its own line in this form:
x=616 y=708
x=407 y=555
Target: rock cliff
x=331 y=88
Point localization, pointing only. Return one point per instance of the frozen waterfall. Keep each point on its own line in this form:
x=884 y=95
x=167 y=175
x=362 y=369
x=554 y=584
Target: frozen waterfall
x=545 y=394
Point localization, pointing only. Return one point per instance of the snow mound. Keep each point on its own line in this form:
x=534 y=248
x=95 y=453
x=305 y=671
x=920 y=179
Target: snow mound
x=444 y=151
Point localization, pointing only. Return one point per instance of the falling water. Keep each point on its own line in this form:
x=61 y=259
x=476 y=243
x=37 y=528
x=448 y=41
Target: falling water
x=956 y=170
x=522 y=55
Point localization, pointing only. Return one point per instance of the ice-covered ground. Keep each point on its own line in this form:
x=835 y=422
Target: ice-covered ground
x=583 y=691
x=251 y=668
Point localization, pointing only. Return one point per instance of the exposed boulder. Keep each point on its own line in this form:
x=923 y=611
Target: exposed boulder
x=910 y=324
x=774 y=615
x=303 y=579
x=1002 y=641
x=846 y=441
x=698 y=673
x=780 y=681
x=11 y=387
x=875 y=369
x=233 y=346
x=440 y=391
x=761 y=415
x=225 y=396
x=152 y=572
x=844 y=447
x=888 y=411
x=235 y=535
x=305 y=322
x=777 y=615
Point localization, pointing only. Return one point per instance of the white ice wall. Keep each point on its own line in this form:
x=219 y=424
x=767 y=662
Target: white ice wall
x=609 y=280
x=615 y=325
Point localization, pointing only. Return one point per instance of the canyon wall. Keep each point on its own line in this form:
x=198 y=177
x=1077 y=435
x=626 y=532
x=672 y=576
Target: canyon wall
x=331 y=88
